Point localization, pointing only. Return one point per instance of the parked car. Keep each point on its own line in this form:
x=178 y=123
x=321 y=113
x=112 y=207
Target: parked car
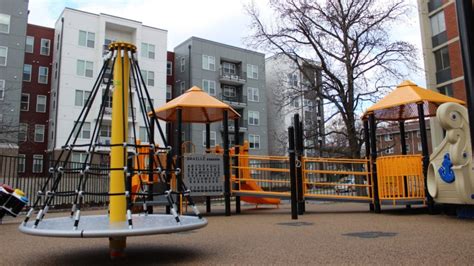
x=345 y=186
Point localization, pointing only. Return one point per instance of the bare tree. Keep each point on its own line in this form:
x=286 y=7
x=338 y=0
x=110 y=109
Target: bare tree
x=351 y=41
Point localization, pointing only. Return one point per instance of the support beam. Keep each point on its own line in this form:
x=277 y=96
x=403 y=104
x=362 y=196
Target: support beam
x=225 y=123
x=236 y=161
x=425 y=153
x=373 y=144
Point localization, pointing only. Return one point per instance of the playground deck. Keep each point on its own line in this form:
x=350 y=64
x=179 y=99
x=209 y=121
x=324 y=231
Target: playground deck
x=329 y=233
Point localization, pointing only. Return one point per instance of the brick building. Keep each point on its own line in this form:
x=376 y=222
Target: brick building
x=389 y=143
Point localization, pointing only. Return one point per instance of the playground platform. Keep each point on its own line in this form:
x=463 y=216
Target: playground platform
x=328 y=233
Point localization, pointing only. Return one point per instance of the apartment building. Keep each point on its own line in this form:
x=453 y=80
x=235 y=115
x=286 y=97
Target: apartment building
x=13 y=20
x=81 y=40
x=441 y=52
x=232 y=74
x=289 y=92
x=389 y=142
x=35 y=96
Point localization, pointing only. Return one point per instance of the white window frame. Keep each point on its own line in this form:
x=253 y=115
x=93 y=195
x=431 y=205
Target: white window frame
x=6 y=55
x=39 y=131
x=8 y=18
x=252 y=145
x=37 y=158
x=209 y=62
x=23 y=102
x=229 y=68
x=84 y=96
x=22 y=163
x=86 y=127
x=169 y=92
x=213 y=138
x=438 y=23
x=38 y=104
x=142 y=132
x=183 y=64
x=252 y=71
x=169 y=68
x=146 y=77
x=30 y=72
x=419 y=146
x=252 y=116
x=87 y=39
x=388 y=137
x=83 y=72
x=45 y=44
x=22 y=129
x=229 y=88
x=253 y=94
x=209 y=88
x=408 y=148
x=32 y=38
x=40 y=76
x=145 y=51
x=390 y=150
x=2 y=89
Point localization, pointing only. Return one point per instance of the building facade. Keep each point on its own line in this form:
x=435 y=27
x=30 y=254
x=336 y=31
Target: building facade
x=13 y=20
x=290 y=92
x=441 y=52
x=389 y=143
x=232 y=74
x=81 y=41
x=35 y=98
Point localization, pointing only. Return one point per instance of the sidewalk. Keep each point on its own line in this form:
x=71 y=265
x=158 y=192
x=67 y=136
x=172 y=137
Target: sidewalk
x=330 y=233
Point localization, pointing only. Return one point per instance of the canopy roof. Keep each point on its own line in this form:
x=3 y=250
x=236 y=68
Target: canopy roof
x=197 y=106
x=401 y=104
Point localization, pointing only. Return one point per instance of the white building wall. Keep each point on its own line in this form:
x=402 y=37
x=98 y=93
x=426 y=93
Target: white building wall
x=104 y=26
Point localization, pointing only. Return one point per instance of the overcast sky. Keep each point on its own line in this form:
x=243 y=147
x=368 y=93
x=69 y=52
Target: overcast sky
x=219 y=20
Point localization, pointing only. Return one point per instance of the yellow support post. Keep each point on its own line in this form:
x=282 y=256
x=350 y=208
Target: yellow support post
x=118 y=152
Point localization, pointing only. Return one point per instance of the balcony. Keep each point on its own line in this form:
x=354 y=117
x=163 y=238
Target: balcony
x=243 y=125
x=232 y=79
x=236 y=100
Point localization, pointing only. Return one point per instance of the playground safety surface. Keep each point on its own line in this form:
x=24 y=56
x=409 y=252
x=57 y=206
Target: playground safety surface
x=328 y=233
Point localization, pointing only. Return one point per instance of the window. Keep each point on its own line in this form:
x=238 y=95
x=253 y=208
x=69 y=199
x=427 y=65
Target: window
x=4 y=23
x=169 y=68
x=169 y=92
x=293 y=79
x=39 y=133
x=442 y=59
x=420 y=148
x=3 y=55
x=25 y=102
x=85 y=132
x=2 y=89
x=295 y=102
x=407 y=135
x=41 y=103
x=252 y=71
x=254 y=118
x=209 y=86
x=208 y=62
x=183 y=63
x=389 y=150
x=182 y=86
x=23 y=132
x=21 y=163
x=213 y=137
x=86 y=39
x=149 y=77
x=45 y=45
x=407 y=147
x=446 y=90
x=143 y=134
x=229 y=68
x=81 y=97
x=37 y=163
x=254 y=141
x=85 y=68
x=437 y=23
x=253 y=94
x=147 y=104
x=43 y=75
x=418 y=134
x=148 y=50
x=30 y=44
x=388 y=137
x=26 y=72
x=229 y=91
x=78 y=157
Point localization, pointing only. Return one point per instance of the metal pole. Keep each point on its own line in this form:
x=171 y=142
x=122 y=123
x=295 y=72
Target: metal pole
x=208 y=150
x=169 y=161
x=294 y=191
x=425 y=155
x=299 y=171
x=367 y=156
x=179 y=159
x=225 y=123
x=403 y=142
x=236 y=161
x=373 y=145
x=151 y=161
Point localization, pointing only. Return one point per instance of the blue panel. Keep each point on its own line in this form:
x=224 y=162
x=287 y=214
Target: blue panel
x=445 y=171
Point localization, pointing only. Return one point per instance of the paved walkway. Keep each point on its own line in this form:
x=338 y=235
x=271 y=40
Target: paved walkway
x=331 y=233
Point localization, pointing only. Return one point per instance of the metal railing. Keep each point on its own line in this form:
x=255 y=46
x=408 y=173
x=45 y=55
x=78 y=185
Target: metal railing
x=238 y=99
x=236 y=78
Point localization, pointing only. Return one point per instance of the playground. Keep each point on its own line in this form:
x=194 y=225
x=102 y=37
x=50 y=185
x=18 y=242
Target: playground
x=329 y=233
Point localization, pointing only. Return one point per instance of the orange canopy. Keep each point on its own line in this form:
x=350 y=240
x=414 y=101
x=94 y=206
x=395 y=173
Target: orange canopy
x=401 y=104
x=197 y=106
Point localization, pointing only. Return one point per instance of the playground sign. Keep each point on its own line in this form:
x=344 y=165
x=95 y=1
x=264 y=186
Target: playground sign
x=204 y=174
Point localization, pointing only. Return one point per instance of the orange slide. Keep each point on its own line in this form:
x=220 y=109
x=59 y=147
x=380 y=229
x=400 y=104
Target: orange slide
x=252 y=185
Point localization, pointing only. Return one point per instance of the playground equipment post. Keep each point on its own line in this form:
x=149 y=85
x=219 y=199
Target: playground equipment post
x=294 y=191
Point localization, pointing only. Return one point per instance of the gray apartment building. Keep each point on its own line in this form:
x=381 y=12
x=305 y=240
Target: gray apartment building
x=13 y=20
x=232 y=74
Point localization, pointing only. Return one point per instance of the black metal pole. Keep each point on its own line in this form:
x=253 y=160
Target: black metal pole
x=236 y=161
x=225 y=123
x=373 y=144
x=179 y=159
x=299 y=170
x=367 y=156
x=464 y=10
x=293 y=185
x=151 y=155
x=169 y=161
x=403 y=142
x=208 y=150
x=424 y=151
